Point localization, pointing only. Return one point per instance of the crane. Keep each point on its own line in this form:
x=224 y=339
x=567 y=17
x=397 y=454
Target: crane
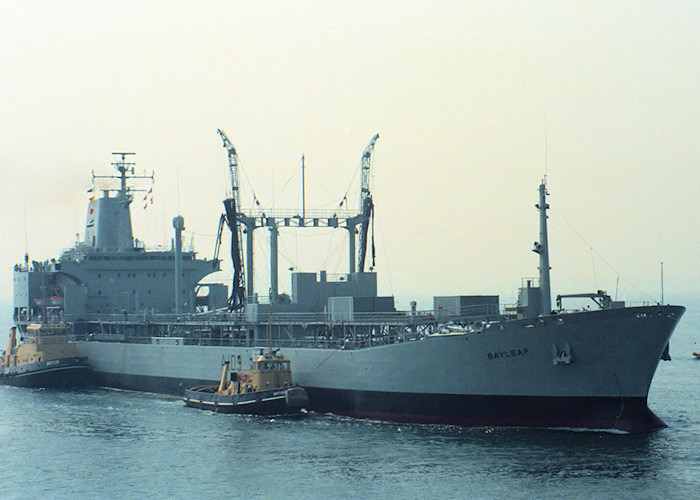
x=232 y=207
x=366 y=205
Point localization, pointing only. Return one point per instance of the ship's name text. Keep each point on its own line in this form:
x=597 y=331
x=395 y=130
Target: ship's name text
x=513 y=353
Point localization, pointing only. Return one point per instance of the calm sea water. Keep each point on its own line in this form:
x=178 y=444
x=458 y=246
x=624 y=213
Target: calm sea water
x=115 y=444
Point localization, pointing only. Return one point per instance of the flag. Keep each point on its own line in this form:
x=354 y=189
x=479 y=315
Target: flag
x=148 y=198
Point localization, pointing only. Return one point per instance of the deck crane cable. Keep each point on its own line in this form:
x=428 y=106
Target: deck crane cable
x=256 y=202
x=386 y=256
x=344 y=199
x=334 y=249
x=291 y=177
x=312 y=177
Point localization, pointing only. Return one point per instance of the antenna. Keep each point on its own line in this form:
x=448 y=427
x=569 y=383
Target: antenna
x=125 y=169
x=303 y=189
x=662 y=283
x=546 y=149
x=178 y=189
x=26 y=237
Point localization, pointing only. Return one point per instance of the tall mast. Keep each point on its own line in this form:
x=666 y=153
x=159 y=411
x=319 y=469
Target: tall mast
x=542 y=248
x=179 y=226
x=123 y=167
x=126 y=172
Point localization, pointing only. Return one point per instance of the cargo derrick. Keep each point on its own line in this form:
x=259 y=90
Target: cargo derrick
x=366 y=206
x=234 y=217
x=232 y=207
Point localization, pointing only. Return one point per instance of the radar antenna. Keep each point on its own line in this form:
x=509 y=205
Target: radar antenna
x=126 y=172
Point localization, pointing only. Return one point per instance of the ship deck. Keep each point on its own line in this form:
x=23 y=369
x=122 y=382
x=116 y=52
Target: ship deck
x=286 y=329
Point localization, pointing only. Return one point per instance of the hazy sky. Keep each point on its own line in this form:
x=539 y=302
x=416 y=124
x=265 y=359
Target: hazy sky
x=473 y=102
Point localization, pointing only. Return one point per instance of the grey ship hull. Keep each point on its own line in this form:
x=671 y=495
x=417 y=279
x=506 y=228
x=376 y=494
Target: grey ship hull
x=510 y=373
x=584 y=370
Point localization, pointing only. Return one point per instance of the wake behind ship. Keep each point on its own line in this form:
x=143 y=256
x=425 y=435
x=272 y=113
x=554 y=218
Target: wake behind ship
x=145 y=321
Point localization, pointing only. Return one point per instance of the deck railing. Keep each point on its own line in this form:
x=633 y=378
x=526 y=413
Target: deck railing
x=306 y=329
x=467 y=313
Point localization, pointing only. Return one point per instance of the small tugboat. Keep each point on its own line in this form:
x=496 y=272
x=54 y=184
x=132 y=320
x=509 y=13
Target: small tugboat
x=265 y=390
x=43 y=358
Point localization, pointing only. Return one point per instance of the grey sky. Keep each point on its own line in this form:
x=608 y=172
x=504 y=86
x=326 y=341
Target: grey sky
x=461 y=94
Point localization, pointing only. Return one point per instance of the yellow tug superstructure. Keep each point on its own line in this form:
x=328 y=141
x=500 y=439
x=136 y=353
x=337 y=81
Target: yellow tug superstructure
x=44 y=357
x=270 y=371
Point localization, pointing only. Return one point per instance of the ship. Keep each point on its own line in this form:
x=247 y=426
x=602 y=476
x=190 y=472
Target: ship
x=266 y=389
x=148 y=320
x=43 y=358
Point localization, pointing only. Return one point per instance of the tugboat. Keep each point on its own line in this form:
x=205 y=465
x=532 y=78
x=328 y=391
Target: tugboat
x=265 y=390
x=43 y=358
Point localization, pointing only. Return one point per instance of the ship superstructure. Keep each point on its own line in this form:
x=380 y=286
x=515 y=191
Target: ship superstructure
x=110 y=273
x=144 y=324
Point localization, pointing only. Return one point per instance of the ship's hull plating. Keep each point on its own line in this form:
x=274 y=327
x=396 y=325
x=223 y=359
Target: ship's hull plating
x=589 y=370
x=271 y=402
x=622 y=414
x=59 y=373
